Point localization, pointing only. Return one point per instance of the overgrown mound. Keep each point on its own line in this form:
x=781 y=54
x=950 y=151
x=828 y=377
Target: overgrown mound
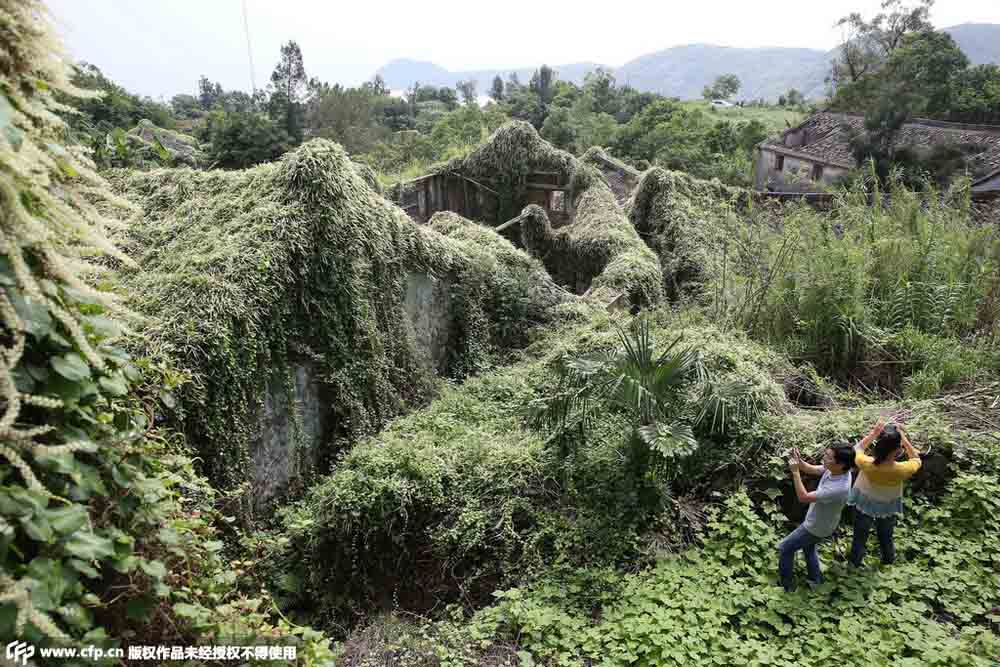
x=621 y=178
x=511 y=153
x=457 y=499
x=528 y=290
x=174 y=147
x=599 y=253
x=296 y=284
x=685 y=221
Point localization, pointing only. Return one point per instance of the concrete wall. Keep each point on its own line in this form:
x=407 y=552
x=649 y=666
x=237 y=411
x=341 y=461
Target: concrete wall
x=429 y=319
x=286 y=446
x=292 y=425
x=796 y=174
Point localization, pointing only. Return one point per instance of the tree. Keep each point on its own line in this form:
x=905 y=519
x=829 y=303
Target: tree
x=927 y=63
x=601 y=84
x=513 y=85
x=496 y=90
x=344 y=115
x=288 y=81
x=794 y=98
x=377 y=86
x=867 y=45
x=185 y=106
x=724 y=87
x=975 y=95
x=240 y=140
x=208 y=93
x=542 y=83
x=467 y=89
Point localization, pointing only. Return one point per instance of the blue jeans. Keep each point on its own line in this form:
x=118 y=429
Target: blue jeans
x=800 y=538
x=883 y=528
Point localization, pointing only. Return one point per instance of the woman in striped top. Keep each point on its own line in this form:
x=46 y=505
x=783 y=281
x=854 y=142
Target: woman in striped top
x=877 y=496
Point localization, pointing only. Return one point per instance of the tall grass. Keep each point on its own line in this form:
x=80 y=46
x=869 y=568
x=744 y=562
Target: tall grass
x=871 y=289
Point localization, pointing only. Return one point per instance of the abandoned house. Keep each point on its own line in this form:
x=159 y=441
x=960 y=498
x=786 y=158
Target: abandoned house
x=814 y=154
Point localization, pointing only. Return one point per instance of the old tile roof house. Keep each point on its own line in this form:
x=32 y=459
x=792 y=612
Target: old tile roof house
x=818 y=151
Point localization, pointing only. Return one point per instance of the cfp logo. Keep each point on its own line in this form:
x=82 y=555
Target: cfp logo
x=20 y=650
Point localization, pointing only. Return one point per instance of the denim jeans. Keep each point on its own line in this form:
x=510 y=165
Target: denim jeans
x=800 y=538
x=883 y=528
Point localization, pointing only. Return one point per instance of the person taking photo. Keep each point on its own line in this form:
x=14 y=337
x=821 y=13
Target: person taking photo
x=823 y=517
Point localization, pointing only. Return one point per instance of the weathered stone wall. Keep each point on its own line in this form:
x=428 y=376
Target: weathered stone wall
x=429 y=319
x=292 y=426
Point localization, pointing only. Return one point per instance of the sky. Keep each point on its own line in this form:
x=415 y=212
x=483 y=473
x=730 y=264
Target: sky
x=162 y=47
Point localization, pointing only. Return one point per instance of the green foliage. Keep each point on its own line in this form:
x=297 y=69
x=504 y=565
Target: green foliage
x=245 y=274
x=724 y=87
x=684 y=221
x=452 y=499
x=653 y=389
x=720 y=604
x=106 y=532
x=867 y=289
x=238 y=140
x=599 y=254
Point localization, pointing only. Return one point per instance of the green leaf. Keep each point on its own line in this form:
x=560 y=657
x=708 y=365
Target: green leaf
x=84 y=568
x=37 y=527
x=71 y=366
x=88 y=546
x=154 y=568
x=113 y=384
x=34 y=314
x=102 y=327
x=185 y=610
x=138 y=609
x=65 y=520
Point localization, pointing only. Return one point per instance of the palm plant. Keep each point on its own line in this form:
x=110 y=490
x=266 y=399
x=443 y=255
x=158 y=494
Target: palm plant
x=653 y=388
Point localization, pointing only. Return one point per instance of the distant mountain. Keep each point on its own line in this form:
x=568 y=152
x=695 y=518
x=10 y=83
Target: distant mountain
x=979 y=41
x=402 y=73
x=682 y=71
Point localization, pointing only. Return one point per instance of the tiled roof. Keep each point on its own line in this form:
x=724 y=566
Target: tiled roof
x=827 y=139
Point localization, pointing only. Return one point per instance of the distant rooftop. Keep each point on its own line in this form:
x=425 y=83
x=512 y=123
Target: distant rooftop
x=825 y=138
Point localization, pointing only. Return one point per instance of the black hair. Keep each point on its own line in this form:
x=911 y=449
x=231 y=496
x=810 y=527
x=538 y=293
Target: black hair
x=887 y=444
x=843 y=454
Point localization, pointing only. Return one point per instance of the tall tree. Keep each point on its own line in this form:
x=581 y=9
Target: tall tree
x=496 y=90
x=867 y=45
x=543 y=83
x=288 y=81
x=601 y=84
x=513 y=85
x=467 y=89
x=208 y=93
x=927 y=63
x=378 y=87
x=724 y=87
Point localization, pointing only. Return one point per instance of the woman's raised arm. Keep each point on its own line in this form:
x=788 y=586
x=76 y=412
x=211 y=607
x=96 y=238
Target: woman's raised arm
x=870 y=438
